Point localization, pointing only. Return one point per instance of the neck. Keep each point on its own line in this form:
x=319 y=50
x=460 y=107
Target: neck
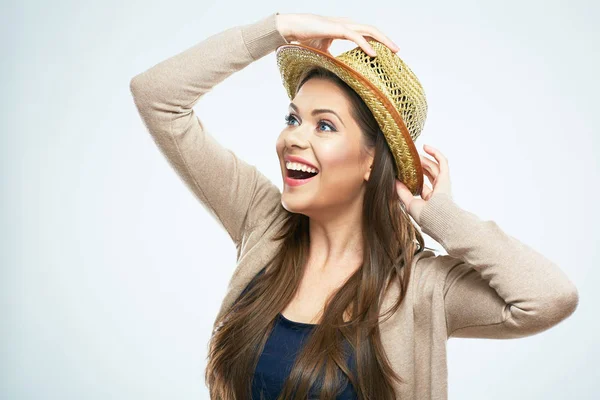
x=337 y=241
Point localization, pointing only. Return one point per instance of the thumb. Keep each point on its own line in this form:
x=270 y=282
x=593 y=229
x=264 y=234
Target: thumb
x=404 y=193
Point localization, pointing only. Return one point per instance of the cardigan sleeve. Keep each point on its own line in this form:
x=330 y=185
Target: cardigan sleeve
x=494 y=286
x=236 y=194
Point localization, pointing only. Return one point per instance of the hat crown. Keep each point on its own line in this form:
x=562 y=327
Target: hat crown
x=395 y=80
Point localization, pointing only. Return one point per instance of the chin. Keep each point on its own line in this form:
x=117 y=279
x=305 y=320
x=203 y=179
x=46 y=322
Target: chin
x=294 y=203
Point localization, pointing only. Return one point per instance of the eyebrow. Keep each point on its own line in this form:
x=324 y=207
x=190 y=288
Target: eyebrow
x=319 y=111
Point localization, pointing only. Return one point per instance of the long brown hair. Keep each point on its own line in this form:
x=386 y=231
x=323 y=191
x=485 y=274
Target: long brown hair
x=390 y=241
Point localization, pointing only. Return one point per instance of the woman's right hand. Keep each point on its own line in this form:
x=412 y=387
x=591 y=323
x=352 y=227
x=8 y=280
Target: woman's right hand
x=319 y=31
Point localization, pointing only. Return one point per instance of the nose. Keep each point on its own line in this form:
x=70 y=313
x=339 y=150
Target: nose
x=296 y=137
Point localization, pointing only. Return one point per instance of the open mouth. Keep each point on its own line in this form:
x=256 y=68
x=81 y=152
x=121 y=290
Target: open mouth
x=300 y=175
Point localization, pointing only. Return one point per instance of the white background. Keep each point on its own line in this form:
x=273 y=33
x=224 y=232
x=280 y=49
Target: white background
x=112 y=272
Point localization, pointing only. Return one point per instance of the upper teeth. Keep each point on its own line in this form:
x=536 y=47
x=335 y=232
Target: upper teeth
x=300 y=167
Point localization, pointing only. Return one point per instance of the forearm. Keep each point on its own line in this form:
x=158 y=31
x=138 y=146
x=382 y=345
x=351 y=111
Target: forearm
x=175 y=84
x=536 y=293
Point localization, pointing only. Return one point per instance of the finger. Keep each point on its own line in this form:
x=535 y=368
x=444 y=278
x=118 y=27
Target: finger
x=404 y=193
x=441 y=159
x=369 y=30
x=432 y=165
x=402 y=189
x=427 y=172
x=426 y=193
x=360 y=40
x=322 y=44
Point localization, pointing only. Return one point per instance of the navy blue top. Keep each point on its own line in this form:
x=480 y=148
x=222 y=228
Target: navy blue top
x=275 y=363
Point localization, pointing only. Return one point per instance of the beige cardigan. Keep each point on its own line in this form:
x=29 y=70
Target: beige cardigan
x=490 y=285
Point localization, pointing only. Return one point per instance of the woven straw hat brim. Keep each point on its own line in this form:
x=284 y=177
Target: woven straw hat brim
x=294 y=59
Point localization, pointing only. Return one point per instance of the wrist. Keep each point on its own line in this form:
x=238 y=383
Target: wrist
x=281 y=26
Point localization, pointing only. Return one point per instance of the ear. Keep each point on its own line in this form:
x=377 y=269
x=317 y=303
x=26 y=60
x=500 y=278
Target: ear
x=369 y=164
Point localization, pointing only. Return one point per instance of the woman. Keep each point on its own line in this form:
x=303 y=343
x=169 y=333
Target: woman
x=334 y=294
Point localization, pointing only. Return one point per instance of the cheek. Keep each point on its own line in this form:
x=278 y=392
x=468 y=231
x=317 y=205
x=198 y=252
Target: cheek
x=338 y=161
x=279 y=144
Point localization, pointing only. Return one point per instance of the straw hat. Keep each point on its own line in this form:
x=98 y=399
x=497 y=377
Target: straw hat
x=387 y=86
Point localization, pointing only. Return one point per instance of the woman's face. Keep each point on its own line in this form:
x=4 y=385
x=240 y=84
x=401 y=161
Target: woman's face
x=331 y=143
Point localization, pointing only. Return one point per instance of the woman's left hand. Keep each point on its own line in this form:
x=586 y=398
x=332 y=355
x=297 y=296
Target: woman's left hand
x=438 y=175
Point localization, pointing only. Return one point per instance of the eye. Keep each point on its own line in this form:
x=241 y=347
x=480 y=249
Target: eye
x=326 y=124
x=290 y=117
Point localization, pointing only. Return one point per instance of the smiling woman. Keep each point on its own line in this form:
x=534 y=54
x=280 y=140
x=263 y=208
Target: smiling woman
x=355 y=187
x=319 y=137
x=339 y=256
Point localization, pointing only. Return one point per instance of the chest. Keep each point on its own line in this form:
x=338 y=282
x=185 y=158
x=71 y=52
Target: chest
x=313 y=292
